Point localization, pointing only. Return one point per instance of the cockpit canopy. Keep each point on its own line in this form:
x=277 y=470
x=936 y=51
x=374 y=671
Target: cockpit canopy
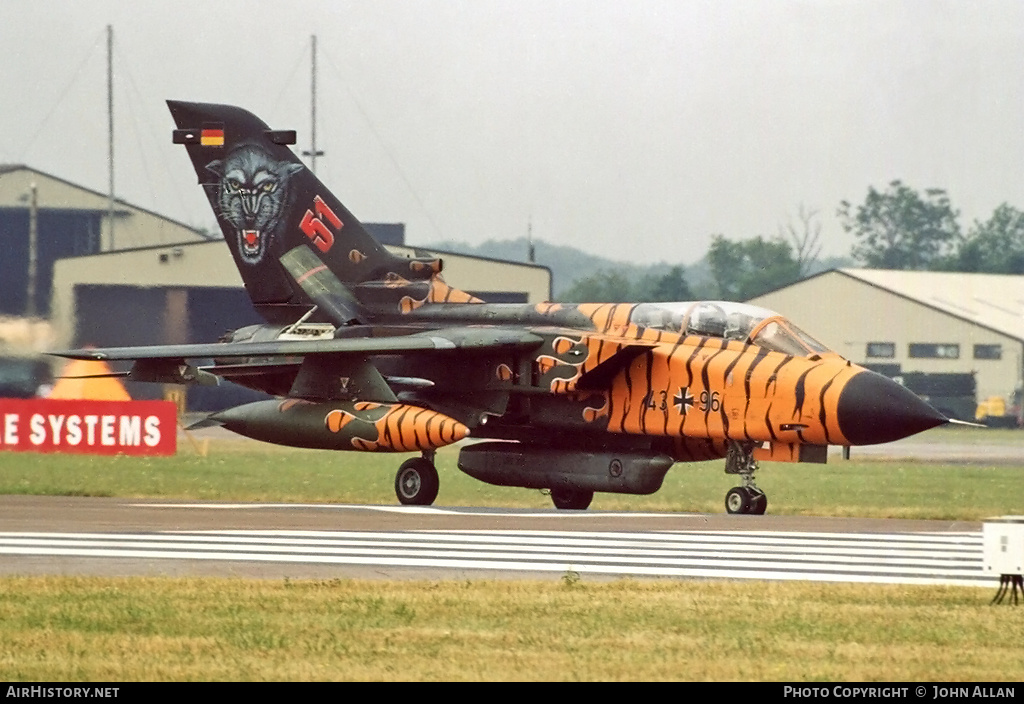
x=731 y=321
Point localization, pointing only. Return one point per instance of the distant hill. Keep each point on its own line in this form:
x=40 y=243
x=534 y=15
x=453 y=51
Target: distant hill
x=568 y=264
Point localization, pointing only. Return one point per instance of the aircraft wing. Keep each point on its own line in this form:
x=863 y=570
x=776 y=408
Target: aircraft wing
x=468 y=338
x=315 y=362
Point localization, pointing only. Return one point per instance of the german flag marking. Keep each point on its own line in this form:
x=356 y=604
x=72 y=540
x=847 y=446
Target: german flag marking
x=211 y=138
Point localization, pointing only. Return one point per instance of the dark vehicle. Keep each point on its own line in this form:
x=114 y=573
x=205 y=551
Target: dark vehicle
x=24 y=377
x=953 y=395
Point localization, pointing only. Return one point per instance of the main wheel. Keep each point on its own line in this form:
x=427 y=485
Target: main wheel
x=738 y=500
x=416 y=483
x=566 y=498
x=758 y=504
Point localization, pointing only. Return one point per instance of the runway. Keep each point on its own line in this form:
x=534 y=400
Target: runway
x=75 y=535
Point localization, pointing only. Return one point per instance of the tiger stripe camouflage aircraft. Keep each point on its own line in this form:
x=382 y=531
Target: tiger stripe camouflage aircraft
x=372 y=352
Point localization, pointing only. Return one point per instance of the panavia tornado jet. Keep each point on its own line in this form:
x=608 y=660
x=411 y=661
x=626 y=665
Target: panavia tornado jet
x=371 y=352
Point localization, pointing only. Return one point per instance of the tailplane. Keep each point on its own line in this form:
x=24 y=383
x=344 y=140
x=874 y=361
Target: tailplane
x=295 y=244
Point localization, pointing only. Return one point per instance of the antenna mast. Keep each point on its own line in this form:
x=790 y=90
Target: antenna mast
x=313 y=153
x=531 y=254
x=110 y=136
x=33 y=250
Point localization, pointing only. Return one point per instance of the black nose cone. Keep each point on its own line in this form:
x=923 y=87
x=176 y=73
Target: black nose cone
x=874 y=409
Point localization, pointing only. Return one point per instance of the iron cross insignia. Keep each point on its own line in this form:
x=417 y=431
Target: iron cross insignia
x=683 y=400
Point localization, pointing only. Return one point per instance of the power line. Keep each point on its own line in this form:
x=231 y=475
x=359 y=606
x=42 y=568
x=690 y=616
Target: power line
x=383 y=145
x=60 y=99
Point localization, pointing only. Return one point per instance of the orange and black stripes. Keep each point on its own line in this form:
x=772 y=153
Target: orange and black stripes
x=394 y=427
x=415 y=294
x=440 y=292
x=407 y=428
x=548 y=308
x=567 y=358
x=701 y=387
x=607 y=317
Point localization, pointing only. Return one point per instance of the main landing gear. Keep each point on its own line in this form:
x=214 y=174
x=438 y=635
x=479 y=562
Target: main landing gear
x=568 y=498
x=416 y=483
x=746 y=498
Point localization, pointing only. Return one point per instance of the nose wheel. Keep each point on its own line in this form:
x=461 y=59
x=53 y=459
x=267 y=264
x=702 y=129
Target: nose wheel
x=741 y=499
x=747 y=498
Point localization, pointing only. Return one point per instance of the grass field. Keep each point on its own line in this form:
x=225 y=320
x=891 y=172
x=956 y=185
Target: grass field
x=92 y=629
x=65 y=629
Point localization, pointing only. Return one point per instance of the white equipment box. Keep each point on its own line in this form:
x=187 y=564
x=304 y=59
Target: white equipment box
x=1003 y=545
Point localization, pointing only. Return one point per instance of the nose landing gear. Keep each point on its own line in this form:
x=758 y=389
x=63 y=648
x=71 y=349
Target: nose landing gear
x=747 y=498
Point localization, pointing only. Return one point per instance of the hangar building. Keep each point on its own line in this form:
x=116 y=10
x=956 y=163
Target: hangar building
x=907 y=322
x=69 y=221
x=192 y=292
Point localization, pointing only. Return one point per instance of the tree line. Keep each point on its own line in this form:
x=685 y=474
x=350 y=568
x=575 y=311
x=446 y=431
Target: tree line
x=895 y=228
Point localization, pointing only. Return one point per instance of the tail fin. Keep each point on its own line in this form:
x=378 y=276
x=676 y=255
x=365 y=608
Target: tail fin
x=269 y=204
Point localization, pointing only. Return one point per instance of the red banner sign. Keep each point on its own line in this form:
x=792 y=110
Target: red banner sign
x=89 y=427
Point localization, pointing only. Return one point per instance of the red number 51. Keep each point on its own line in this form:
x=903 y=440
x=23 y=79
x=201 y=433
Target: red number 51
x=315 y=228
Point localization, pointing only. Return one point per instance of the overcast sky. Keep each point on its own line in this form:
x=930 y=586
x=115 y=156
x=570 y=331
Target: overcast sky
x=633 y=129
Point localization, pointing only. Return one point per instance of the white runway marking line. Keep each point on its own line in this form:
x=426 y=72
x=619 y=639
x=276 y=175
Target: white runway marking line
x=424 y=510
x=931 y=558
x=482 y=547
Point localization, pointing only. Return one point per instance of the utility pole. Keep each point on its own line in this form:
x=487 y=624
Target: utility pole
x=531 y=254
x=33 y=256
x=110 y=136
x=313 y=153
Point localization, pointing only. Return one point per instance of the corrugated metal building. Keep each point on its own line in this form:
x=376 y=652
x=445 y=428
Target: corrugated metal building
x=70 y=221
x=192 y=292
x=902 y=322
